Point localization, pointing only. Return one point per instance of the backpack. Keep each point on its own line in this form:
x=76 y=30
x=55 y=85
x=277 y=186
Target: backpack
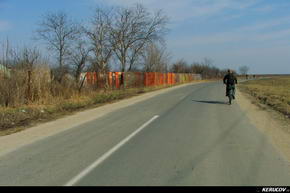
x=231 y=79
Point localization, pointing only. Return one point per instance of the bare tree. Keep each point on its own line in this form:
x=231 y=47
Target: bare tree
x=26 y=58
x=5 y=60
x=58 y=31
x=244 y=70
x=6 y=90
x=79 y=57
x=134 y=54
x=180 y=66
x=99 y=35
x=155 y=58
x=207 y=62
x=132 y=29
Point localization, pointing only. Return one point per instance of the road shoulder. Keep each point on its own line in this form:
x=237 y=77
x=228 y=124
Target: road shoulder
x=272 y=123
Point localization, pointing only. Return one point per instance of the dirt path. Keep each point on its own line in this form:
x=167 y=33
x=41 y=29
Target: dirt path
x=275 y=125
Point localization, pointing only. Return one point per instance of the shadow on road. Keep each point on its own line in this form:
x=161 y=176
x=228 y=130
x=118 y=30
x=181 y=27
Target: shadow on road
x=212 y=102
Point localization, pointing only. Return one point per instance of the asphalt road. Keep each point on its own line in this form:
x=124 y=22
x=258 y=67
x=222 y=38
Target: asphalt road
x=188 y=136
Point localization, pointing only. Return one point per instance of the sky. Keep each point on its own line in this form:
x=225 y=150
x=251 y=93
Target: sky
x=232 y=33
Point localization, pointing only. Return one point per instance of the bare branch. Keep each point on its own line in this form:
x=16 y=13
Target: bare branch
x=132 y=29
x=99 y=35
x=58 y=31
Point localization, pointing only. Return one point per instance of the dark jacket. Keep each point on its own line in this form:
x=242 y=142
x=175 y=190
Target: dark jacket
x=230 y=79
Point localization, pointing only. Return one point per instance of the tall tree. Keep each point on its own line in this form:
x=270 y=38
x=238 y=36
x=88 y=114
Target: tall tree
x=58 y=31
x=99 y=34
x=180 y=66
x=132 y=29
x=244 y=70
x=79 y=57
x=155 y=58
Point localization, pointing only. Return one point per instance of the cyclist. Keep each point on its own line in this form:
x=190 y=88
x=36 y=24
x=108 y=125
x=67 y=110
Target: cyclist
x=230 y=80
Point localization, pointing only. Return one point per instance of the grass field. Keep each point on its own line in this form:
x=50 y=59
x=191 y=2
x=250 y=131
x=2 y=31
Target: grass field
x=274 y=92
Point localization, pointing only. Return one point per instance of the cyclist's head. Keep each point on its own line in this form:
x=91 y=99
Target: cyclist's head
x=230 y=71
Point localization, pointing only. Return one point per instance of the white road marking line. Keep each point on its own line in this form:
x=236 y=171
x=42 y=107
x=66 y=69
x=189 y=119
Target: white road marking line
x=87 y=170
x=183 y=97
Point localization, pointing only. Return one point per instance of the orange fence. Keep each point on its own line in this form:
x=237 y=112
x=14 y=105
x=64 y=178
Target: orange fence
x=116 y=80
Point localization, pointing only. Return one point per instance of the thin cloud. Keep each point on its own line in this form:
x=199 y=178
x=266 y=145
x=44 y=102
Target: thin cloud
x=267 y=25
x=256 y=32
x=229 y=37
x=186 y=9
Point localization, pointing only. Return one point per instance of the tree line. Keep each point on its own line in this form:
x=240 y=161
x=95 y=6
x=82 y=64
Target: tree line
x=114 y=38
x=205 y=68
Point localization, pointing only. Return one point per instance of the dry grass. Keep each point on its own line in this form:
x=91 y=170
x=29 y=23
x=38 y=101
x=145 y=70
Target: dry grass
x=274 y=92
x=17 y=117
x=14 y=119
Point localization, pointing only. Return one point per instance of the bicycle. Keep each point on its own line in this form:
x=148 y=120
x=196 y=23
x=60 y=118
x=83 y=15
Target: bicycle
x=231 y=95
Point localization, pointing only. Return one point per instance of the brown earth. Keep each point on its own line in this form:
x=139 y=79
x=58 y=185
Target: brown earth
x=272 y=123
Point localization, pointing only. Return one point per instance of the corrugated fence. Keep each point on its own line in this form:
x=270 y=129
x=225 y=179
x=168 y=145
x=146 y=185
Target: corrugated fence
x=136 y=79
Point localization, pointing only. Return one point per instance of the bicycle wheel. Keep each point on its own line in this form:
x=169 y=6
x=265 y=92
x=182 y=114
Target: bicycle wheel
x=230 y=96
